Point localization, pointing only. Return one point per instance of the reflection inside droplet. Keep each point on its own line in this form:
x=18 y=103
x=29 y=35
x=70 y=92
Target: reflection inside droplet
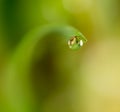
x=81 y=43
x=75 y=43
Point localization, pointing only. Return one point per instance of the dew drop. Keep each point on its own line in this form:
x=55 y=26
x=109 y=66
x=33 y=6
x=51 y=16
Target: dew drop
x=75 y=43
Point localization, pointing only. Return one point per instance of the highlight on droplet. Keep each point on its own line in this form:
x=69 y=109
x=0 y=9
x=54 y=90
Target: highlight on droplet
x=81 y=42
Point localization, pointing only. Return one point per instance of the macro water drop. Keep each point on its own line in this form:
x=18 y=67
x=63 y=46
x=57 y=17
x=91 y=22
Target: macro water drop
x=75 y=42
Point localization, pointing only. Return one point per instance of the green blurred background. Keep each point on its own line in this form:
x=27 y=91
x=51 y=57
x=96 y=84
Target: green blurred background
x=60 y=80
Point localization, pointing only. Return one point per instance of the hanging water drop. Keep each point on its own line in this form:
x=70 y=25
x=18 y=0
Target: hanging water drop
x=75 y=42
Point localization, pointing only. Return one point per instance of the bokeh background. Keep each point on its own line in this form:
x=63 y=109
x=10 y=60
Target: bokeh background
x=87 y=80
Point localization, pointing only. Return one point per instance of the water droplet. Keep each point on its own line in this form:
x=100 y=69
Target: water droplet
x=75 y=42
